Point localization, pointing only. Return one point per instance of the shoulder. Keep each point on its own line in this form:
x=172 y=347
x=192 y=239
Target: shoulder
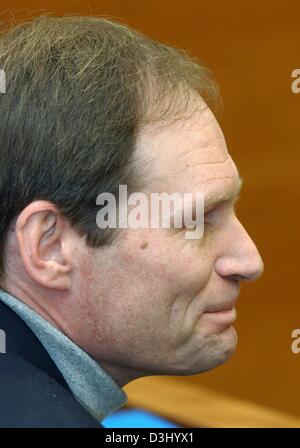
x=31 y=398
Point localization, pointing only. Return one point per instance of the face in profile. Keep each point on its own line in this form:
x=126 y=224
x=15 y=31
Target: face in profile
x=161 y=303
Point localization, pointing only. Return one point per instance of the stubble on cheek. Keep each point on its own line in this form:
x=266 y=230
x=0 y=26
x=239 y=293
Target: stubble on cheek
x=153 y=301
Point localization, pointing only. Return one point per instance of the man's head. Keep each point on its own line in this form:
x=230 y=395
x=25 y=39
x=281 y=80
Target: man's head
x=95 y=105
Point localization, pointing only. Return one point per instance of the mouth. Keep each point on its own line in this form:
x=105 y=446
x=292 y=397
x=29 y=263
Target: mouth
x=223 y=318
x=223 y=313
x=222 y=307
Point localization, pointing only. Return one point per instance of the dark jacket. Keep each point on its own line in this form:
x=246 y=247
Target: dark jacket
x=33 y=392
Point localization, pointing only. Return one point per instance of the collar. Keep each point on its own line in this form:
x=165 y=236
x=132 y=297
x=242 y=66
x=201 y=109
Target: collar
x=96 y=391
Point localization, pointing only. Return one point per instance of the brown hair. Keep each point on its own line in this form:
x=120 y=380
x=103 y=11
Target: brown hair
x=78 y=89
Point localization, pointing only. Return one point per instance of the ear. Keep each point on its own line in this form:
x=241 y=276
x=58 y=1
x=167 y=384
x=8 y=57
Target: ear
x=44 y=245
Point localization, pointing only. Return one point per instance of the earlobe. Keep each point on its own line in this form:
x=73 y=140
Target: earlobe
x=41 y=236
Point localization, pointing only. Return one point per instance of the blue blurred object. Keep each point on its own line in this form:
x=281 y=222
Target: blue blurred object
x=136 y=418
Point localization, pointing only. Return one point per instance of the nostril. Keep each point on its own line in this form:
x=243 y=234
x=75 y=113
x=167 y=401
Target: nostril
x=238 y=278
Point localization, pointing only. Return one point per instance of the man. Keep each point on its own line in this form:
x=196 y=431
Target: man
x=91 y=105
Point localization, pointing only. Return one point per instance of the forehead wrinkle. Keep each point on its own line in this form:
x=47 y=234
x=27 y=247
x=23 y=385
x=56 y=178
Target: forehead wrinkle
x=222 y=162
x=185 y=167
x=200 y=146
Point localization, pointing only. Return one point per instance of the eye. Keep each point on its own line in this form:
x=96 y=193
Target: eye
x=206 y=225
x=212 y=217
x=208 y=215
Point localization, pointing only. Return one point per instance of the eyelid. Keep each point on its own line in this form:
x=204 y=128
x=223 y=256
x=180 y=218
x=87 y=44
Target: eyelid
x=208 y=212
x=228 y=202
x=216 y=208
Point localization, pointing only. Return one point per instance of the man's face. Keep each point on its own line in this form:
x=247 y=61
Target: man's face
x=159 y=302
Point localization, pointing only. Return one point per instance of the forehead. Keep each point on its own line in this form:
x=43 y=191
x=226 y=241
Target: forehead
x=189 y=156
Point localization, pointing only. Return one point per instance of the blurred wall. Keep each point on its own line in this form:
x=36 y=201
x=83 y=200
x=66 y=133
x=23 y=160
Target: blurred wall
x=252 y=47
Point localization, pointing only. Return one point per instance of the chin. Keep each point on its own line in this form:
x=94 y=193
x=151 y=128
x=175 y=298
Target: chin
x=224 y=347
x=213 y=352
x=218 y=350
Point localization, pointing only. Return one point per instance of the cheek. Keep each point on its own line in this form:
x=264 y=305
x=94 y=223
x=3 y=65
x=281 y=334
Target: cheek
x=142 y=291
x=168 y=266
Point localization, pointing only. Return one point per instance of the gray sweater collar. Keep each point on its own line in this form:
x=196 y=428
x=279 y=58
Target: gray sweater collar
x=97 y=392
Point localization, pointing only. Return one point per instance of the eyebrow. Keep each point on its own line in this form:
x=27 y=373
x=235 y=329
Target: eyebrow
x=221 y=197
x=216 y=198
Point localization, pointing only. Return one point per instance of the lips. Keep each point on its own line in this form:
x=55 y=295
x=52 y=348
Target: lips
x=220 y=320
x=222 y=306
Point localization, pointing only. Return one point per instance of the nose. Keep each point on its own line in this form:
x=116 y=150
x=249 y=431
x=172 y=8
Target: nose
x=240 y=259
